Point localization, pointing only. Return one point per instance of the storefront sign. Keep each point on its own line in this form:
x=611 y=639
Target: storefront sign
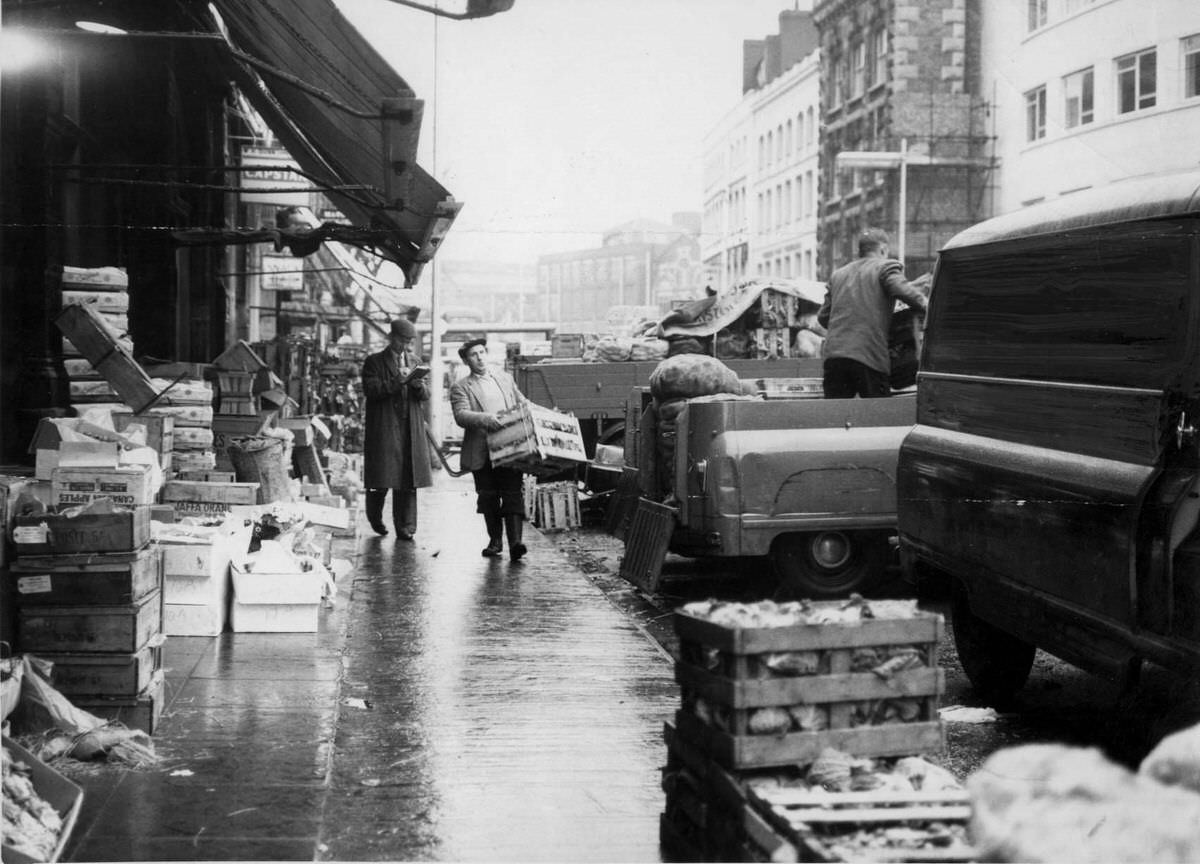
x=281 y=273
x=269 y=173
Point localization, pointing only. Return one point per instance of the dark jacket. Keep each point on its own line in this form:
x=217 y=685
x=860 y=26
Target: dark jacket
x=394 y=446
x=469 y=414
x=858 y=309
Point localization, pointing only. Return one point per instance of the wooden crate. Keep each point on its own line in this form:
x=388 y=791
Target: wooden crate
x=95 y=278
x=56 y=790
x=791 y=388
x=537 y=440
x=773 y=342
x=95 y=339
x=226 y=428
x=127 y=485
x=143 y=711
x=119 y=629
x=818 y=825
x=111 y=579
x=197 y=497
x=777 y=309
x=61 y=534
x=727 y=671
x=96 y=674
x=557 y=506
x=116 y=302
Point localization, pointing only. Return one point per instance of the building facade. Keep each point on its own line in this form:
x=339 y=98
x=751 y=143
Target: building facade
x=639 y=264
x=1089 y=91
x=902 y=75
x=760 y=163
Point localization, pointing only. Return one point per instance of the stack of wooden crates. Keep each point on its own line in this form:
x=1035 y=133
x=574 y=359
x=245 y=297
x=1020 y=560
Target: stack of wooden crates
x=89 y=599
x=105 y=291
x=712 y=755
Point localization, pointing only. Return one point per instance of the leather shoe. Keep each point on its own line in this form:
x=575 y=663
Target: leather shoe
x=492 y=550
x=405 y=535
x=517 y=551
x=379 y=528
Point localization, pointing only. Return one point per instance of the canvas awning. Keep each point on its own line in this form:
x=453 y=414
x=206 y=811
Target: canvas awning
x=345 y=116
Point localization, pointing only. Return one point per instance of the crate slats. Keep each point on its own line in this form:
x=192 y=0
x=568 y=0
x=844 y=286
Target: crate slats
x=646 y=544
x=766 y=839
x=925 y=627
x=810 y=689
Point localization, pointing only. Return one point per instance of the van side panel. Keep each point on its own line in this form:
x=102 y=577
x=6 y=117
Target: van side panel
x=1123 y=424
x=1059 y=523
x=1108 y=306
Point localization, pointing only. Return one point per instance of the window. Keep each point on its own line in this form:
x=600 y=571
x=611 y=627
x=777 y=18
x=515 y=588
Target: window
x=770 y=147
x=1037 y=13
x=1191 y=66
x=787 y=147
x=809 y=195
x=800 y=140
x=812 y=128
x=1137 y=81
x=833 y=83
x=1079 y=94
x=1035 y=114
x=881 y=57
x=779 y=143
x=858 y=71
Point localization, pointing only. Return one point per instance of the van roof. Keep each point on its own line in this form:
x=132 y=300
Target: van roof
x=1135 y=199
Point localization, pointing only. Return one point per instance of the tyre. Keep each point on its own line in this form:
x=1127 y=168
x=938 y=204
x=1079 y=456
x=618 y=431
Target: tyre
x=825 y=564
x=996 y=662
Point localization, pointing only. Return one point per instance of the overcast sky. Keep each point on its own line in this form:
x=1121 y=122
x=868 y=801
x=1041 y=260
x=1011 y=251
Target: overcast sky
x=561 y=118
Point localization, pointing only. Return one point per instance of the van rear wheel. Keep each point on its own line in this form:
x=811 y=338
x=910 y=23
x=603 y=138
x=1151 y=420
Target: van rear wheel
x=996 y=662
x=824 y=564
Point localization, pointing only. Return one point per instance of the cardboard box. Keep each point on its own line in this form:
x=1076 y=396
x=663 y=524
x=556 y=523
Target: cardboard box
x=110 y=579
x=95 y=674
x=194 y=460
x=116 y=302
x=187 y=415
x=90 y=628
x=193 y=438
x=127 y=485
x=143 y=711
x=160 y=430
x=95 y=278
x=56 y=790
x=208 y=476
x=184 y=391
x=190 y=619
x=196 y=575
x=64 y=534
x=275 y=602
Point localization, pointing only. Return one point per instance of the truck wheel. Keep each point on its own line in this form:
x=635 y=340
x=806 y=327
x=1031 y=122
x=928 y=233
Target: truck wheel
x=825 y=564
x=996 y=662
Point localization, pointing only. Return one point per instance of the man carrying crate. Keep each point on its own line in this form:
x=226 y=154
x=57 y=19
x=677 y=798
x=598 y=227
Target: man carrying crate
x=476 y=401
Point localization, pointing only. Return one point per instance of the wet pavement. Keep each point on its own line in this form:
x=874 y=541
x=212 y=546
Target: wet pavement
x=452 y=707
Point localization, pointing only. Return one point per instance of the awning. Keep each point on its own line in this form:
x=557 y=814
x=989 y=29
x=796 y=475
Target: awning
x=345 y=116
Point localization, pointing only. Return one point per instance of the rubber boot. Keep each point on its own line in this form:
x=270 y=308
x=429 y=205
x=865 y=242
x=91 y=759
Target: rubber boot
x=495 y=529
x=512 y=524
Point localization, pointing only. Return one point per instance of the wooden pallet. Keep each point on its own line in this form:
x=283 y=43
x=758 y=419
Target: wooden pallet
x=812 y=822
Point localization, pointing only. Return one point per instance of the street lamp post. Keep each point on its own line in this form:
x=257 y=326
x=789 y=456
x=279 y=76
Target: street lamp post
x=885 y=159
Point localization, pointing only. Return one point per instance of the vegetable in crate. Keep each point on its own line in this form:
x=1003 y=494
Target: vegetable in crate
x=31 y=825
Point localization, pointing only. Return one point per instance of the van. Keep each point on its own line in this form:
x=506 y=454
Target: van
x=1054 y=468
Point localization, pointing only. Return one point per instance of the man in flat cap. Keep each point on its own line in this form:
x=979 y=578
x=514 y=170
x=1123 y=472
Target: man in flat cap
x=476 y=401
x=395 y=451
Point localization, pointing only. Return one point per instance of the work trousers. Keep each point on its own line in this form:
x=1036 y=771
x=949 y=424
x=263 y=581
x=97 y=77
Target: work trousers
x=498 y=491
x=404 y=508
x=846 y=378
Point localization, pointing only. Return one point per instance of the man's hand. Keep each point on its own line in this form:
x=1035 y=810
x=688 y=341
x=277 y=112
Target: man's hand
x=492 y=423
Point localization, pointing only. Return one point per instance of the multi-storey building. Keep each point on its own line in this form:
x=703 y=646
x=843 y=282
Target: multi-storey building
x=760 y=163
x=899 y=74
x=1089 y=91
x=641 y=263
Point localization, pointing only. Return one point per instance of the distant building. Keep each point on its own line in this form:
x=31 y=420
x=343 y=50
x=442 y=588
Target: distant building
x=897 y=72
x=760 y=162
x=1089 y=91
x=640 y=263
x=502 y=292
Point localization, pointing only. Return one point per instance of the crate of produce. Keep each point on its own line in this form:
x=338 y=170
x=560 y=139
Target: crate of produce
x=125 y=485
x=774 y=684
x=72 y=531
x=106 y=579
x=95 y=337
x=43 y=803
x=852 y=809
x=773 y=342
x=159 y=427
x=187 y=414
x=102 y=674
x=537 y=440
x=791 y=388
x=143 y=711
x=119 y=629
x=557 y=506
x=563 y=345
x=198 y=497
x=777 y=309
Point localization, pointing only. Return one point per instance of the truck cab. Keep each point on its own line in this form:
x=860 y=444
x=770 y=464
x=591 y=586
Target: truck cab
x=1054 y=469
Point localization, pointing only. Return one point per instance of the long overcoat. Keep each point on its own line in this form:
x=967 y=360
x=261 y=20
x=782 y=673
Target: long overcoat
x=394 y=445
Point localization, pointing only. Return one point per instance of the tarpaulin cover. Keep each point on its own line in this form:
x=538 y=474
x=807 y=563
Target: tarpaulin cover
x=707 y=318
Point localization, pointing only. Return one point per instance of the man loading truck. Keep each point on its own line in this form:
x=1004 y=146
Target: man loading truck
x=857 y=313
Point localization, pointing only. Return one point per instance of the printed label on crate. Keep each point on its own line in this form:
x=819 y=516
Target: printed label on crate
x=31 y=534
x=209 y=508
x=39 y=584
